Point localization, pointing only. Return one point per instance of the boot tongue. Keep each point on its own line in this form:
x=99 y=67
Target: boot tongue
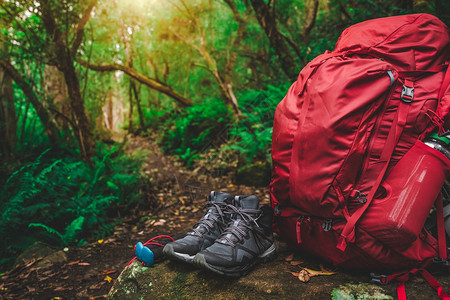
x=246 y=202
x=249 y=202
x=220 y=197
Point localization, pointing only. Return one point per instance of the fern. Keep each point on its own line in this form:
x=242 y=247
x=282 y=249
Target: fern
x=72 y=231
x=66 y=198
x=48 y=229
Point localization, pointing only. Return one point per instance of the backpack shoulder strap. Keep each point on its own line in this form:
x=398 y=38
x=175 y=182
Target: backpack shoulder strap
x=445 y=82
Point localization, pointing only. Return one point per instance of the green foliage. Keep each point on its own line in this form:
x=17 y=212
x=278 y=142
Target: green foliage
x=61 y=200
x=194 y=129
x=253 y=133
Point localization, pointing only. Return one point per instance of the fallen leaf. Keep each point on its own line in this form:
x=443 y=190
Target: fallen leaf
x=323 y=269
x=73 y=263
x=100 y=241
x=98 y=297
x=290 y=257
x=293 y=273
x=107 y=272
x=95 y=287
x=295 y=262
x=317 y=273
x=61 y=289
x=84 y=264
x=159 y=222
x=31 y=289
x=107 y=278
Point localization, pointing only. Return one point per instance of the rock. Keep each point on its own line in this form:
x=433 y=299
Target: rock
x=42 y=254
x=273 y=280
x=54 y=258
x=351 y=291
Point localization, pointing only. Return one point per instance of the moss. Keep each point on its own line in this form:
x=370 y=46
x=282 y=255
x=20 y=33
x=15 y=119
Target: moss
x=361 y=291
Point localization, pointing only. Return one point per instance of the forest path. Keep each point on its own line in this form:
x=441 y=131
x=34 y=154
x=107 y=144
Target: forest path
x=173 y=203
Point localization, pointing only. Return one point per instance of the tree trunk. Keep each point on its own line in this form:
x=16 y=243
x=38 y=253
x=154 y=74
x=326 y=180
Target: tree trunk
x=50 y=127
x=8 y=118
x=138 y=106
x=63 y=56
x=267 y=21
x=130 y=115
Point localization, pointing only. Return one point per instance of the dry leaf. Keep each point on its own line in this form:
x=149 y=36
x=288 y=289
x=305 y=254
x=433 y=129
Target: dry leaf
x=84 y=264
x=317 y=273
x=304 y=276
x=295 y=262
x=107 y=278
x=293 y=273
x=324 y=270
x=290 y=257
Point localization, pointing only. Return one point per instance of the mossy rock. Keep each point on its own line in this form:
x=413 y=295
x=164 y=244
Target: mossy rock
x=273 y=280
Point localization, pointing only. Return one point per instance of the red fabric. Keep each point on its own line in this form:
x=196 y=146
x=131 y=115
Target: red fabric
x=396 y=39
x=441 y=228
x=342 y=124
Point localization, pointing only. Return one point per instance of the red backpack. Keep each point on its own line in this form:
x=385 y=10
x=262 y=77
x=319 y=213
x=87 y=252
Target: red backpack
x=352 y=181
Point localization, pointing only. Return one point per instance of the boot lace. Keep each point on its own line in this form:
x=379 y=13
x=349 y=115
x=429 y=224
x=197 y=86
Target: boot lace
x=239 y=228
x=206 y=223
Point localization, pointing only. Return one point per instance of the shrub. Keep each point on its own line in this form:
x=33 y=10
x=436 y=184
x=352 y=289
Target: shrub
x=62 y=200
x=194 y=129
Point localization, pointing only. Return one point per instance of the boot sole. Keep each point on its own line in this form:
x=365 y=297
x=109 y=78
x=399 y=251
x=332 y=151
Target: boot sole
x=169 y=252
x=268 y=255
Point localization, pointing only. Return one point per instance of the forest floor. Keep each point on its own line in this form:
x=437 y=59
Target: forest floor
x=89 y=271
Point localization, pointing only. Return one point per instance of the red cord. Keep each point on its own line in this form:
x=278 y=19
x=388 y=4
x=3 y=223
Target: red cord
x=150 y=242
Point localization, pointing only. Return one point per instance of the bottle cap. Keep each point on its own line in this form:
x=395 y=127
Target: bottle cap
x=441 y=138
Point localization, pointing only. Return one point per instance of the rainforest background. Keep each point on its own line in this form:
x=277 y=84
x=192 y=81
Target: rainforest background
x=80 y=79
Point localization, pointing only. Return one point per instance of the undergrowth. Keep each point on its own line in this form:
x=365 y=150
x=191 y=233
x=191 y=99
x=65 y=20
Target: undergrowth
x=61 y=200
x=209 y=126
x=192 y=131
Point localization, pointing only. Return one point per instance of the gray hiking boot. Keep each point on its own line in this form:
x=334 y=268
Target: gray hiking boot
x=205 y=232
x=246 y=241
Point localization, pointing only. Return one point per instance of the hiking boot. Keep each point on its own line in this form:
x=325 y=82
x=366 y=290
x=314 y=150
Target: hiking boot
x=205 y=232
x=246 y=241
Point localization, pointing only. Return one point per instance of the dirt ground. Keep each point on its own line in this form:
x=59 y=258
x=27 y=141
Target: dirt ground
x=88 y=272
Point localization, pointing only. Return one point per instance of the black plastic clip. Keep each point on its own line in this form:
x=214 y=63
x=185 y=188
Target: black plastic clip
x=439 y=260
x=277 y=210
x=361 y=197
x=407 y=95
x=379 y=279
x=327 y=224
x=446 y=134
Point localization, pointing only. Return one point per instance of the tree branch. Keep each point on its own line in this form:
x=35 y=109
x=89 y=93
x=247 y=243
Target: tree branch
x=79 y=33
x=312 y=16
x=150 y=82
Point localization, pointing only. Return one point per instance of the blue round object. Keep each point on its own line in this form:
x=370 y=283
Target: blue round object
x=144 y=254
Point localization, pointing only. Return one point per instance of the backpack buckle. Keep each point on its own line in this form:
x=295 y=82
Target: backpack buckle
x=440 y=260
x=407 y=95
x=379 y=279
x=358 y=195
x=327 y=224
